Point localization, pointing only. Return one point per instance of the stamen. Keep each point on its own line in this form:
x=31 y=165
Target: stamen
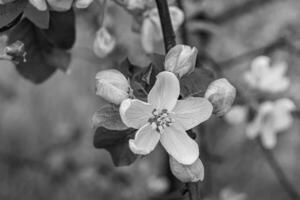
x=160 y=120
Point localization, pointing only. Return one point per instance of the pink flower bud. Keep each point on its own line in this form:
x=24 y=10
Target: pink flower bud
x=104 y=43
x=59 y=5
x=187 y=173
x=83 y=3
x=112 y=86
x=221 y=94
x=181 y=60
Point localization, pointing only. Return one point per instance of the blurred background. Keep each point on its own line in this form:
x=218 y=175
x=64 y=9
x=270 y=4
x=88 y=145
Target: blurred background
x=46 y=148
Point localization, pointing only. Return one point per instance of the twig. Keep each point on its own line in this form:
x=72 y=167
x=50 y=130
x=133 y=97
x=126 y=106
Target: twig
x=183 y=29
x=166 y=25
x=283 y=180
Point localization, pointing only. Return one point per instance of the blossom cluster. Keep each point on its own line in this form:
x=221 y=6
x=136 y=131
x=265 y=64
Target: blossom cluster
x=164 y=118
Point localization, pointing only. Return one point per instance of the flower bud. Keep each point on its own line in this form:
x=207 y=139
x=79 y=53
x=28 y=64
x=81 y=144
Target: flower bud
x=59 y=5
x=83 y=3
x=104 y=43
x=221 y=94
x=181 y=60
x=39 y=4
x=112 y=86
x=187 y=173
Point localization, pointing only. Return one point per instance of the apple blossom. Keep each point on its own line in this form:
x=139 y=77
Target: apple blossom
x=151 y=32
x=104 y=43
x=181 y=60
x=236 y=115
x=165 y=119
x=271 y=118
x=221 y=94
x=266 y=77
x=187 y=173
x=113 y=86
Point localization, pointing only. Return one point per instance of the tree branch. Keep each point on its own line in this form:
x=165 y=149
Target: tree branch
x=283 y=180
x=166 y=24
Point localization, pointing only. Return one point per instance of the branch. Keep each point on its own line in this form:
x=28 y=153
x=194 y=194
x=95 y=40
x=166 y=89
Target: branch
x=166 y=24
x=287 y=186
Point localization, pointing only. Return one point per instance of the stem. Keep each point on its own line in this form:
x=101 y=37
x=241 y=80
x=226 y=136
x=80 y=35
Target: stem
x=278 y=172
x=183 y=29
x=166 y=24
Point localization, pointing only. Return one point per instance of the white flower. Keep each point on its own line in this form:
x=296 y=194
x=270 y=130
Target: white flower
x=113 y=86
x=272 y=118
x=165 y=119
x=267 y=78
x=83 y=3
x=187 y=173
x=221 y=94
x=104 y=43
x=151 y=27
x=181 y=60
x=236 y=115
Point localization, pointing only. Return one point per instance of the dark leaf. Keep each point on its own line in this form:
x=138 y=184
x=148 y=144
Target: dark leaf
x=37 y=17
x=116 y=143
x=61 y=32
x=45 y=48
x=10 y=11
x=196 y=83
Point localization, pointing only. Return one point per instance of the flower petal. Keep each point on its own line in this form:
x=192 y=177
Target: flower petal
x=145 y=140
x=165 y=91
x=179 y=145
x=192 y=111
x=135 y=113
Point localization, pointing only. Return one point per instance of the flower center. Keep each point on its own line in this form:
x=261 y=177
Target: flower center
x=160 y=120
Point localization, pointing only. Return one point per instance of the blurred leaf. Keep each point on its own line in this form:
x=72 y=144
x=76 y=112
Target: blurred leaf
x=196 y=83
x=45 y=48
x=116 y=143
x=38 y=18
x=10 y=11
x=109 y=117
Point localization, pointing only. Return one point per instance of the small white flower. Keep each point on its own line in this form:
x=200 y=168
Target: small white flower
x=187 y=173
x=271 y=118
x=181 y=60
x=165 y=119
x=221 y=94
x=236 y=115
x=83 y=3
x=267 y=78
x=151 y=28
x=104 y=43
x=113 y=86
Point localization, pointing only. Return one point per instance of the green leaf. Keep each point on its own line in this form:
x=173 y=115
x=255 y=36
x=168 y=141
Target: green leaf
x=109 y=117
x=116 y=143
x=46 y=49
x=38 y=18
x=196 y=83
x=10 y=11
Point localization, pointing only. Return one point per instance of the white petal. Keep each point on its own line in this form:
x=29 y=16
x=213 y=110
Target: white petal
x=135 y=113
x=260 y=66
x=165 y=91
x=145 y=140
x=179 y=145
x=192 y=111
x=39 y=4
x=269 y=139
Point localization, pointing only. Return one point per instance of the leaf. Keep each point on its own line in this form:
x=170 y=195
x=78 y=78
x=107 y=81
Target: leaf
x=61 y=30
x=38 y=18
x=109 y=117
x=10 y=11
x=116 y=143
x=45 y=50
x=196 y=83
